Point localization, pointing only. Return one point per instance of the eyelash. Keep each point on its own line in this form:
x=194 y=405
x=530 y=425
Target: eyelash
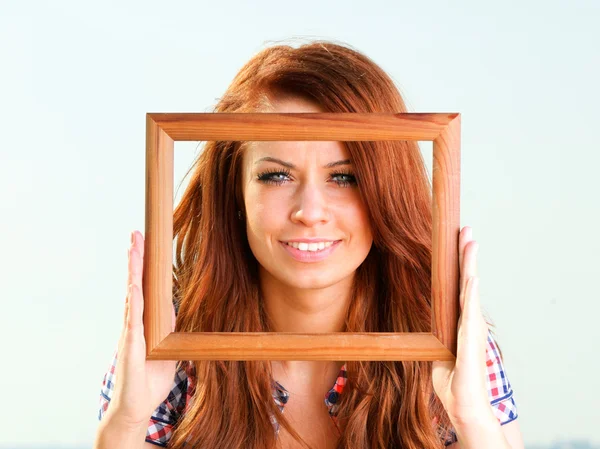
x=266 y=176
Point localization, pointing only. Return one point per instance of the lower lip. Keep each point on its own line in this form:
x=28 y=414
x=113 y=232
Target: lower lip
x=310 y=256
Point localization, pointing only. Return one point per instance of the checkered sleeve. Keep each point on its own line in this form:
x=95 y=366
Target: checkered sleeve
x=499 y=389
x=164 y=417
x=500 y=392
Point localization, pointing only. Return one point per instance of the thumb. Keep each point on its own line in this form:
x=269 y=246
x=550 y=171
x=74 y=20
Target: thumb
x=173 y=319
x=440 y=374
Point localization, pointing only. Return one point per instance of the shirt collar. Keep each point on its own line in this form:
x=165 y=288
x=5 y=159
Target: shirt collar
x=281 y=395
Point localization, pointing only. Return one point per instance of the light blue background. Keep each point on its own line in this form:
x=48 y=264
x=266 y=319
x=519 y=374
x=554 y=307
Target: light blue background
x=77 y=79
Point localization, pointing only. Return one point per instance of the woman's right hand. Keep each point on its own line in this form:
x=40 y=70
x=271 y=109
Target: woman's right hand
x=140 y=384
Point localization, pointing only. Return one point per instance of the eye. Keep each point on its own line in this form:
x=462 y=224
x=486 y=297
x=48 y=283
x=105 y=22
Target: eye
x=278 y=177
x=273 y=176
x=347 y=178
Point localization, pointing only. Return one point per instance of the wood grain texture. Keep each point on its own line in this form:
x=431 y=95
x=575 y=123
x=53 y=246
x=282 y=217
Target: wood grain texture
x=339 y=126
x=298 y=346
x=163 y=129
x=446 y=229
x=157 y=281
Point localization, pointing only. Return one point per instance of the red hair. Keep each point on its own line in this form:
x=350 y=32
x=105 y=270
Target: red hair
x=385 y=404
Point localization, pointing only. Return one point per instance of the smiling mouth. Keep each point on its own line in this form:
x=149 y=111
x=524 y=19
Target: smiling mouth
x=316 y=253
x=310 y=247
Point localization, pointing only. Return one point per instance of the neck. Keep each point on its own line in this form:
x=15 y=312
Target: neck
x=316 y=310
x=306 y=310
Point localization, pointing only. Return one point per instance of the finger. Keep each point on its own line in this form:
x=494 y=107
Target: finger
x=136 y=309
x=139 y=241
x=131 y=246
x=136 y=300
x=135 y=267
x=139 y=244
x=464 y=237
x=123 y=334
x=468 y=303
x=464 y=319
x=127 y=302
x=474 y=310
x=469 y=265
x=126 y=308
x=463 y=298
x=475 y=332
x=471 y=323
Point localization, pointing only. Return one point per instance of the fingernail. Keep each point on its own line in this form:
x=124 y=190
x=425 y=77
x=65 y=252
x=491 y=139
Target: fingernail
x=132 y=237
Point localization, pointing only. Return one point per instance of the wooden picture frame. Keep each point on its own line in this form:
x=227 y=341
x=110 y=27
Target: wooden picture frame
x=163 y=129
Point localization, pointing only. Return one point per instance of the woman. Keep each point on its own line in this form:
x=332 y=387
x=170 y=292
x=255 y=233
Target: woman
x=308 y=237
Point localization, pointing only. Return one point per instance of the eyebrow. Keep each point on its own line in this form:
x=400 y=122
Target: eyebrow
x=292 y=166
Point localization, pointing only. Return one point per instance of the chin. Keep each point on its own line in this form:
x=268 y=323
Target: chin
x=322 y=279
x=311 y=284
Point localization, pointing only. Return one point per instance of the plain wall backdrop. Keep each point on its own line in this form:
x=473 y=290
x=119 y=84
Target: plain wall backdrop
x=77 y=79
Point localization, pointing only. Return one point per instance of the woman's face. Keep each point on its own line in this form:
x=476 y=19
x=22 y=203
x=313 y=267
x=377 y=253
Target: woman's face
x=306 y=223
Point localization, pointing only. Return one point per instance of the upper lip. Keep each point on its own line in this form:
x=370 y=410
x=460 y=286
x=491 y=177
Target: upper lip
x=311 y=240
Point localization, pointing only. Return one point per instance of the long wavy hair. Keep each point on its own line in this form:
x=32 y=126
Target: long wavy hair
x=385 y=404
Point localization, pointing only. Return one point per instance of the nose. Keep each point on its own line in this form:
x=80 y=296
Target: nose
x=310 y=206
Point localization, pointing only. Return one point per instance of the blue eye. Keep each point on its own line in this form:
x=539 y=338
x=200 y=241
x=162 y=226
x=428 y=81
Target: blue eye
x=278 y=177
x=349 y=178
x=270 y=176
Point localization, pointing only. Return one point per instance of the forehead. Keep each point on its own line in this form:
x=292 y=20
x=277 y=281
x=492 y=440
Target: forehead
x=296 y=151
x=319 y=151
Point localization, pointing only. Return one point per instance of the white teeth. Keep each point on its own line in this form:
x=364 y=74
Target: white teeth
x=310 y=246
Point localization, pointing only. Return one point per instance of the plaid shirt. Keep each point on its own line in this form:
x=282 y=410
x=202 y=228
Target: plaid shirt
x=160 y=425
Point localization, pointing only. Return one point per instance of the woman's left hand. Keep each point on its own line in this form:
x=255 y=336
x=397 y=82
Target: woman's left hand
x=461 y=385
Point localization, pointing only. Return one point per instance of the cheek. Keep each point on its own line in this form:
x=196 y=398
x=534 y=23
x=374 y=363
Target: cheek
x=263 y=214
x=356 y=218
x=365 y=224
x=263 y=201
x=361 y=228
